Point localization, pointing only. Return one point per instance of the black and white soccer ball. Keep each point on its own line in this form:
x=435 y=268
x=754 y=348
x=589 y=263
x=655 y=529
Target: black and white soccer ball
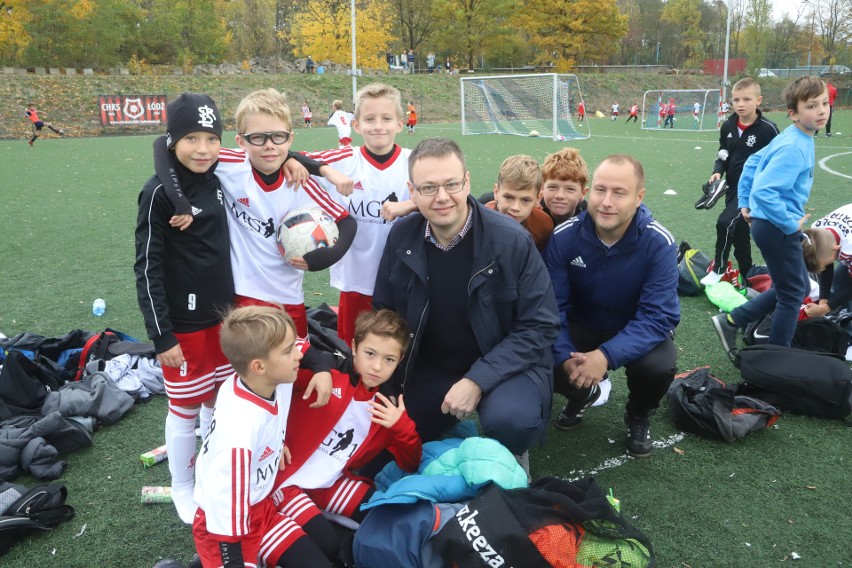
x=304 y=230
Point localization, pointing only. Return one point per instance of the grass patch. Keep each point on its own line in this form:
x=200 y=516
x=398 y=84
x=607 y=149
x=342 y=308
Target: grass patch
x=67 y=216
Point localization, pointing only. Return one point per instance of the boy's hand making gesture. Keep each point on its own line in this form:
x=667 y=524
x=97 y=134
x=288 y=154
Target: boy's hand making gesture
x=384 y=411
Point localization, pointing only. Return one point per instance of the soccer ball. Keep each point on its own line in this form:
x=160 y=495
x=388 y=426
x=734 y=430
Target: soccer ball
x=304 y=230
x=533 y=133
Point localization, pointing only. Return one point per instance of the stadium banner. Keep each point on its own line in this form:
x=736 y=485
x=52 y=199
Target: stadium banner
x=124 y=110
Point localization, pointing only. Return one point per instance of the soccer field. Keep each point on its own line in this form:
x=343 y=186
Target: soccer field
x=67 y=217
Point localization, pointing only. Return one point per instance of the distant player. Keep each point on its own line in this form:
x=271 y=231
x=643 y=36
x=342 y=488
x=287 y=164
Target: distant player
x=343 y=121
x=664 y=109
x=696 y=113
x=634 y=113
x=307 y=115
x=581 y=111
x=411 y=117
x=614 y=113
x=671 y=109
x=38 y=124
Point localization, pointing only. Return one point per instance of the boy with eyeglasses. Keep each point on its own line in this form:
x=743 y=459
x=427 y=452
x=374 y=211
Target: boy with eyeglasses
x=257 y=197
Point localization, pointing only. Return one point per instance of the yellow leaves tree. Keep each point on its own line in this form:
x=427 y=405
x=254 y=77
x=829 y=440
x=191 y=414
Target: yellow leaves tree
x=14 y=38
x=565 y=33
x=685 y=18
x=322 y=30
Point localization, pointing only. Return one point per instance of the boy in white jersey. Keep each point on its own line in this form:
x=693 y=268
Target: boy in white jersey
x=257 y=198
x=236 y=524
x=380 y=195
x=352 y=429
x=342 y=120
x=830 y=239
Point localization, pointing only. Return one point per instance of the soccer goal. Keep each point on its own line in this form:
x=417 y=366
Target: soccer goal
x=524 y=105
x=693 y=109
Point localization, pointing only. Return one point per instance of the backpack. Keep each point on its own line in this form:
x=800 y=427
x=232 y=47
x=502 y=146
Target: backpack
x=702 y=404
x=23 y=510
x=812 y=334
x=799 y=381
x=107 y=345
x=692 y=265
x=24 y=385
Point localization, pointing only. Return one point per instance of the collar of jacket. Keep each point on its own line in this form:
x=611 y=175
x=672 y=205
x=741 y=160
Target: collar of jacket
x=628 y=242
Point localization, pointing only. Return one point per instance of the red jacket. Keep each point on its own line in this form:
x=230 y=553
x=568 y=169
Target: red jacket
x=832 y=94
x=308 y=427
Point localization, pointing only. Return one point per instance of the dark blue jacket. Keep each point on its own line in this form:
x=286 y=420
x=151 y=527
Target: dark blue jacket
x=512 y=308
x=630 y=288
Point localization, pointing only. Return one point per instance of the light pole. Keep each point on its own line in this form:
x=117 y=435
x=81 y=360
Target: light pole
x=723 y=95
x=354 y=61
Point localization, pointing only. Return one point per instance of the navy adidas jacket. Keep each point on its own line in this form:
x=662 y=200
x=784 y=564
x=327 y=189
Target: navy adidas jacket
x=512 y=308
x=629 y=288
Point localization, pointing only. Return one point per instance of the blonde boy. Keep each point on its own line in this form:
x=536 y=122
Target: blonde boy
x=380 y=173
x=564 y=178
x=517 y=193
x=237 y=523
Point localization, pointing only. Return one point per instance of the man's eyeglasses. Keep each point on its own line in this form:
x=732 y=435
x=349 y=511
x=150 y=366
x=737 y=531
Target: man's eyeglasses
x=449 y=187
x=259 y=138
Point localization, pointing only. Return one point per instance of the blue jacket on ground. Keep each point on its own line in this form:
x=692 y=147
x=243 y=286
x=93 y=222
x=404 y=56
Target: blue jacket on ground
x=512 y=308
x=630 y=287
x=776 y=181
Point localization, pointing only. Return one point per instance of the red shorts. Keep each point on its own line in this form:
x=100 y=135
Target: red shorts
x=350 y=306
x=342 y=498
x=272 y=533
x=412 y=122
x=295 y=311
x=343 y=142
x=205 y=367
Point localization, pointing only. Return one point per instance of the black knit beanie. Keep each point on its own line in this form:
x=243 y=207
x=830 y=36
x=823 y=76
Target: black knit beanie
x=192 y=112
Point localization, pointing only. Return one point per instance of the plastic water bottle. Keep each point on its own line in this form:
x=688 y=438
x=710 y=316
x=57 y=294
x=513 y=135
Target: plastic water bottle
x=99 y=307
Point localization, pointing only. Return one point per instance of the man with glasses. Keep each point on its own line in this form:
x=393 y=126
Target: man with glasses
x=476 y=295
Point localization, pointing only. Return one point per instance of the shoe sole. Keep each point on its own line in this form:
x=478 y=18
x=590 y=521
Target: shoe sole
x=638 y=455
x=721 y=333
x=567 y=428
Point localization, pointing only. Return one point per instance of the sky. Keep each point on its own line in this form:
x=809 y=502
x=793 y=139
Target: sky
x=788 y=7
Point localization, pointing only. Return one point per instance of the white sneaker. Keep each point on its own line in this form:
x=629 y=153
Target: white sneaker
x=184 y=503
x=606 y=387
x=712 y=277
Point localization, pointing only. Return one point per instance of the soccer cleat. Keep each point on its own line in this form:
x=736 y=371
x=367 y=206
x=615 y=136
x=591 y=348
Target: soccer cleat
x=572 y=415
x=828 y=134
x=726 y=331
x=639 y=444
x=714 y=191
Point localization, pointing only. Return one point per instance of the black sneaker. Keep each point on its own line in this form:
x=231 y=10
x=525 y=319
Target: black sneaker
x=726 y=331
x=717 y=189
x=639 y=443
x=572 y=415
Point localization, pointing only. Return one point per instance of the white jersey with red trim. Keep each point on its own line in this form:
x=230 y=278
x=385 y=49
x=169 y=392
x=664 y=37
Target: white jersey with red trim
x=375 y=183
x=839 y=222
x=343 y=121
x=256 y=209
x=239 y=458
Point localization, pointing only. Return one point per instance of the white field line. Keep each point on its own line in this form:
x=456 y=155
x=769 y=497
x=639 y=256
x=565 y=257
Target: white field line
x=618 y=461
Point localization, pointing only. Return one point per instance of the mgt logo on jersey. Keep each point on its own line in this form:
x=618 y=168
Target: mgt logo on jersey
x=751 y=140
x=266 y=473
x=206 y=116
x=370 y=211
x=339 y=442
x=265 y=228
x=479 y=543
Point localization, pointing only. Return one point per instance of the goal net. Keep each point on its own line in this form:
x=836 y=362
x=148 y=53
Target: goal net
x=681 y=109
x=542 y=105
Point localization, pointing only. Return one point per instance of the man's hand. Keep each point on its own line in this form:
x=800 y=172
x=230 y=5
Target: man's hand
x=394 y=209
x=462 y=399
x=714 y=177
x=171 y=358
x=589 y=368
x=343 y=183
x=295 y=173
x=181 y=221
x=384 y=411
x=321 y=383
x=286 y=458
x=745 y=211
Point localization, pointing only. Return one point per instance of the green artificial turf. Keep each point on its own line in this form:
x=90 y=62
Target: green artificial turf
x=67 y=216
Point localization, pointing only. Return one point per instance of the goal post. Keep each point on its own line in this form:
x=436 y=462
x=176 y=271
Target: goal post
x=541 y=105
x=696 y=109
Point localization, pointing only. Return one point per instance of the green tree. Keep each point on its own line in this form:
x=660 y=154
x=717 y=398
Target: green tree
x=685 y=17
x=185 y=32
x=564 y=33
x=757 y=32
x=467 y=26
x=252 y=27
x=414 y=21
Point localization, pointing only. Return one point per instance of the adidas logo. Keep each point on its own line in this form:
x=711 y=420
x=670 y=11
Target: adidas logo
x=196 y=210
x=266 y=453
x=244 y=201
x=578 y=262
x=337 y=391
x=358 y=186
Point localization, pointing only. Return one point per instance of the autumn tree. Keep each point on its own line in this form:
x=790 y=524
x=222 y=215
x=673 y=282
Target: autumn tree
x=322 y=30
x=185 y=32
x=14 y=37
x=756 y=35
x=834 y=27
x=685 y=18
x=413 y=20
x=568 y=33
x=467 y=26
x=251 y=24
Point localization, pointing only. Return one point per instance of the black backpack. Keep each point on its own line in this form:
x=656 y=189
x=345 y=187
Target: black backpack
x=23 y=510
x=812 y=334
x=703 y=404
x=692 y=265
x=799 y=381
x=107 y=345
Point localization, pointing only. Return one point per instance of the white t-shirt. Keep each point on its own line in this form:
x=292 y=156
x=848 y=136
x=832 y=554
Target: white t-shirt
x=326 y=464
x=615 y=108
x=343 y=121
x=839 y=222
x=239 y=457
x=696 y=108
x=256 y=210
x=374 y=183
